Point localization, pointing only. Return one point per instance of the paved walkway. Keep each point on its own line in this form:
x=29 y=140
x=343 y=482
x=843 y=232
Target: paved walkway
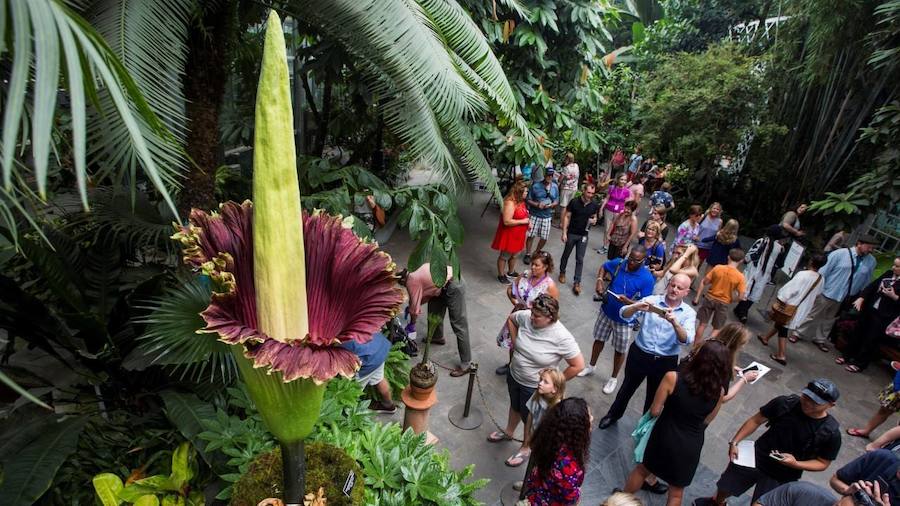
x=610 y=456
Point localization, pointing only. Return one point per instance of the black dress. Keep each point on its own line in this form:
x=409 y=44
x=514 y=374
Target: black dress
x=673 y=451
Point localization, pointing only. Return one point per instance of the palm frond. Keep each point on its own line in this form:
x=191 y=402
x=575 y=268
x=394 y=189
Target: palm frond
x=43 y=32
x=171 y=336
x=433 y=74
x=149 y=37
x=132 y=221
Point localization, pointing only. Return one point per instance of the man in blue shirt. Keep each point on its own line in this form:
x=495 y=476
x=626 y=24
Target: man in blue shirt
x=656 y=347
x=542 y=198
x=371 y=373
x=629 y=279
x=846 y=273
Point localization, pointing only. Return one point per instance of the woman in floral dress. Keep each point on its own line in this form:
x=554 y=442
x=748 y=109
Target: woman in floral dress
x=524 y=289
x=559 y=455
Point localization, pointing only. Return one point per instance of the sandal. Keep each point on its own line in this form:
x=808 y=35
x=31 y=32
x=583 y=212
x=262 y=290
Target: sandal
x=824 y=347
x=840 y=361
x=518 y=459
x=497 y=436
x=852 y=368
x=857 y=433
x=763 y=341
x=779 y=360
x=793 y=338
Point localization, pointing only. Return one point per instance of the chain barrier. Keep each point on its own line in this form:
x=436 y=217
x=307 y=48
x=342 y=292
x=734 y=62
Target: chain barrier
x=484 y=402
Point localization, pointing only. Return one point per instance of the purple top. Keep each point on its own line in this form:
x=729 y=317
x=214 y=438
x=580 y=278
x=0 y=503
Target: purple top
x=617 y=197
x=708 y=228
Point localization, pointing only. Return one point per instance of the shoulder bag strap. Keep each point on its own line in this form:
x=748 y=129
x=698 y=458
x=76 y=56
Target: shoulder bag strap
x=853 y=266
x=810 y=289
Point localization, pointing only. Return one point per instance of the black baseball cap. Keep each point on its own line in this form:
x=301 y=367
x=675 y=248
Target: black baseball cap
x=822 y=391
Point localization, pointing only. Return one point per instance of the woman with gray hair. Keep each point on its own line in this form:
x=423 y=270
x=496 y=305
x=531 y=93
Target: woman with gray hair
x=539 y=341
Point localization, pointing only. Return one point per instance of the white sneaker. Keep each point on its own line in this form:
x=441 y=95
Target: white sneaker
x=610 y=385
x=587 y=371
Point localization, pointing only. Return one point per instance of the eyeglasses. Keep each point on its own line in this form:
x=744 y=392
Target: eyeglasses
x=633 y=260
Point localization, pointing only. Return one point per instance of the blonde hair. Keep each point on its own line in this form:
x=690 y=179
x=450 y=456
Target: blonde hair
x=622 y=499
x=734 y=336
x=558 y=381
x=654 y=226
x=729 y=232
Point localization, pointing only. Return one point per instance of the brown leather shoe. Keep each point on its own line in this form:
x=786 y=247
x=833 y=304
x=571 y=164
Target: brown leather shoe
x=562 y=278
x=577 y=289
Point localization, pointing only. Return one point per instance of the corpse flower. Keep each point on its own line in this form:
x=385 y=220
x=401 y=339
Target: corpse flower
x=289 y=287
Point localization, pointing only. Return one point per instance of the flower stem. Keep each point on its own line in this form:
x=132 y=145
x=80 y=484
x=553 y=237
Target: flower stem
x=293 y=458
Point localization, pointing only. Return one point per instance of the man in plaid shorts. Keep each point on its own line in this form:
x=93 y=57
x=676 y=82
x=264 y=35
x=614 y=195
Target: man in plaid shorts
x=628 y=277
x=542 y=198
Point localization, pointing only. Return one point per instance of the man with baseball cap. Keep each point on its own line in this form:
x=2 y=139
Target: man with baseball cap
x=802 y=436
x=542 y=199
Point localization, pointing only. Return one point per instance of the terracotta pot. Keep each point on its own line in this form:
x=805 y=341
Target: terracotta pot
x=421 y=393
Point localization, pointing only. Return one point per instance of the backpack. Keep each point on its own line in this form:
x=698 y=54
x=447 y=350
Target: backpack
x=824 y=432
x=396 y=333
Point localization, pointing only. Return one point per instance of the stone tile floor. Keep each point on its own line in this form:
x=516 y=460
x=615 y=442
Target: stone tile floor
x=611 y=449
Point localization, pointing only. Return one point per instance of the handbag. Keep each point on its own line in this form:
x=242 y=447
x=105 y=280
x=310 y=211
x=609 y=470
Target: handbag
x=641 y=435
x=893 y=330
x=782 y=313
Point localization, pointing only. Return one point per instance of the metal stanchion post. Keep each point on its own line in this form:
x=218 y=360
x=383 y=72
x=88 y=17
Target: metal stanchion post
x=465 y=416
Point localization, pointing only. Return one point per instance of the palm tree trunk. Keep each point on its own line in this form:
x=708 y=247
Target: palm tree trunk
x=210 y=41
x=322 y=127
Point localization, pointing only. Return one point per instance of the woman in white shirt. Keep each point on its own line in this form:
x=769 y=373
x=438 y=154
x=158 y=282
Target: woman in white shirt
x=801 y=291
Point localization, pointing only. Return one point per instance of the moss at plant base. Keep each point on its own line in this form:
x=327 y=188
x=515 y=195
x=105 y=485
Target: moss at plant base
x=326 y=466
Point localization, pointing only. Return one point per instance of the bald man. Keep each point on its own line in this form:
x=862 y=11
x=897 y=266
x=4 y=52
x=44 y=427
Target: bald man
x=667 y=324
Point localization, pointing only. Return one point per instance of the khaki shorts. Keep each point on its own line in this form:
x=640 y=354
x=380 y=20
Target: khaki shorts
x=711 y=308
x=373 y=378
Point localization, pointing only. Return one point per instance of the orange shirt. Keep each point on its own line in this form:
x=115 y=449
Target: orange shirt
x=723 y=281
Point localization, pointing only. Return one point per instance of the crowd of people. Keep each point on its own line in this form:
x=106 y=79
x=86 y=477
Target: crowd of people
x=664 y=303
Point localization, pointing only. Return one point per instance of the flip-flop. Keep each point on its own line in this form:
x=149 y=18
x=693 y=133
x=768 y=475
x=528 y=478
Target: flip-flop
x=763 y=341
x=497 y=436
x=779 y=360
x=824 y=347
x=852 y=368
x=518 y=459
x=857 y=433
x=793 y=338
x=840 y=361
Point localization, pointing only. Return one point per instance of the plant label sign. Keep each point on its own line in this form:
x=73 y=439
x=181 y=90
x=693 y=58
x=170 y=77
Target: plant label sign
x=348 y=485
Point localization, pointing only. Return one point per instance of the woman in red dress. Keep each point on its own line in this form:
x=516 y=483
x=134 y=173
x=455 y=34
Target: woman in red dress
x=509 y=239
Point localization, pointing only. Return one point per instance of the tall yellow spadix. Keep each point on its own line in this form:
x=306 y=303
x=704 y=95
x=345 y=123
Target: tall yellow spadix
x=279 y=263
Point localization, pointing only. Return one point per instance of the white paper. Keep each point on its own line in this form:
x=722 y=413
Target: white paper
x=746 y=454
x=792 y=260
x=761 y=369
